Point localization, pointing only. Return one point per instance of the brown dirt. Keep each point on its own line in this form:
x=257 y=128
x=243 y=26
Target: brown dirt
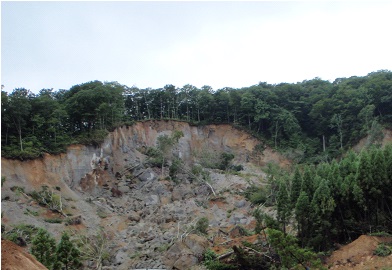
x=14 y=257
x=359 y=255
x=386 y=140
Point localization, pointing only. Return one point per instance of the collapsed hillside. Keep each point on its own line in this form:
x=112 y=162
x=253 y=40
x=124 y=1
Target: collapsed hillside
x=142 y=213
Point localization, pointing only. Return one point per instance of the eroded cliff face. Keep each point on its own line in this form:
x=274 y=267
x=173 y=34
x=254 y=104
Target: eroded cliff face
x=145 y=213
x=88 y=167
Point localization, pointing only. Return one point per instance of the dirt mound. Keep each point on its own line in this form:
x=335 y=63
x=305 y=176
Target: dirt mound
x=14 y=257
x=359 y=255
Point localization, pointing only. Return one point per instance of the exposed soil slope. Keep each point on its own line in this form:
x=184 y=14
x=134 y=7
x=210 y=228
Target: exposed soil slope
x=112 y=187
x=14 y=257
x=359 y=255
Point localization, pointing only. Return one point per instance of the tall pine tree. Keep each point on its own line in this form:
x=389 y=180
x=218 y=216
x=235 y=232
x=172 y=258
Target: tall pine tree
x=68 y=256
x=44 y=248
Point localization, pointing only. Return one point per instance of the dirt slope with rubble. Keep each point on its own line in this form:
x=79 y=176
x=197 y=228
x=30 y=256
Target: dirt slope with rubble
x=142 y=213
x=148 y=218
x=359 y=254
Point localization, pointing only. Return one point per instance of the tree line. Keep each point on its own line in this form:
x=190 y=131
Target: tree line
x=338 y=201
x=313 y=120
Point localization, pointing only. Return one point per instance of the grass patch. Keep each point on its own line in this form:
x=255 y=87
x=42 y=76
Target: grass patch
x=53 y=220
x=30 y=212
x=383 y=250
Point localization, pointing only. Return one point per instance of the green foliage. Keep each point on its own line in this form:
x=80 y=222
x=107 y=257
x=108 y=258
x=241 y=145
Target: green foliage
x=43 y=247
x=53 y=220
x=3 y=179
x=67 y=255
x=155 y=156
x=95 y=137
x=296 y=183
x=264 y=220
x=311 y=121
x=225 y=160
x=291 y=255
x=175 y=167
x=95 y=248
x=17 y=189
x=383 y=250
x=283 y=204
x=202 y=225
x=344 y=199
x=21 y=234
x=46 y=197
x=30 y=212
x=211 y=262
x=257 y=195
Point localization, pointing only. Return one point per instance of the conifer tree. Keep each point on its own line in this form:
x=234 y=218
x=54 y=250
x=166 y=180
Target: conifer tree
x=283 y=205
x=323 y=205
x=296 y=183
x=44 y=248
x=68 y=256
x=307 y=181
x=302 y=215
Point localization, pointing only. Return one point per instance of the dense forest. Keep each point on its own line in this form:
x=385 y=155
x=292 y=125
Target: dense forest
x=312 y=121
x=333 y=202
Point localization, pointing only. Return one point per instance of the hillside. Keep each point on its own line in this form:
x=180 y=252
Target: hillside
x=152 y=212
x=144 y=217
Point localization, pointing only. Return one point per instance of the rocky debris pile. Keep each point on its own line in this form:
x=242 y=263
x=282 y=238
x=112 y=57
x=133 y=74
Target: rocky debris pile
x=159 y=217
x=184 y=254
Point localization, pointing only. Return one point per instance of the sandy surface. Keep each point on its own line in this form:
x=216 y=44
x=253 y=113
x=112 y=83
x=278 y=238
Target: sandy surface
x=14 y=257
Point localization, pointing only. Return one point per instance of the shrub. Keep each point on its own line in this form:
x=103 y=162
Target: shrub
x=225 y=160
x=30 y=212
x=49 y=199
x=202 y=225
x=175 y=167
x=53 y=220
x=21 y=234
x=383 y=250
x=256 y=195
x=95 y=248
x=292 y=256
x=211 y=263
x=17 y=189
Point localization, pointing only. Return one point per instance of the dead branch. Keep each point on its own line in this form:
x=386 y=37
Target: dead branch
x=223 y=256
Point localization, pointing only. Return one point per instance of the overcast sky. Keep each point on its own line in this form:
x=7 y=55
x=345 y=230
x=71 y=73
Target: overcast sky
x=221 y=44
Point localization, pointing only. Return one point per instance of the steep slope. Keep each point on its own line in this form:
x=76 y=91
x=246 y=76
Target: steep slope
x=121 y=149
x=14 y=257
x=141 y=213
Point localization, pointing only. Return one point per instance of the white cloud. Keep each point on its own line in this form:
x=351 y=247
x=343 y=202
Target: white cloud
x=151 y=44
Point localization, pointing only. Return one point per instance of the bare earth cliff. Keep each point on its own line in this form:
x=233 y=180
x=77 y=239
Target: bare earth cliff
x=143 y=214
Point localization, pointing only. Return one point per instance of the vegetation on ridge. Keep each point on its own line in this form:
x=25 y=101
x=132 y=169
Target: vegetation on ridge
x=313 y=120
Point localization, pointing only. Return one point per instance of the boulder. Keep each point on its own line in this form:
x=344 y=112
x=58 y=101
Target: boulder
x=197 y=244
x=148 y=175
x=182 y=192
x=151 y=200
x=120 y=258
x=240 y=204
x=184 y=255
x=185 y=262
x=133 y=216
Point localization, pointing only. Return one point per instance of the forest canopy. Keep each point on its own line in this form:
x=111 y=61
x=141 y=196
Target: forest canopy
x=311 y=121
